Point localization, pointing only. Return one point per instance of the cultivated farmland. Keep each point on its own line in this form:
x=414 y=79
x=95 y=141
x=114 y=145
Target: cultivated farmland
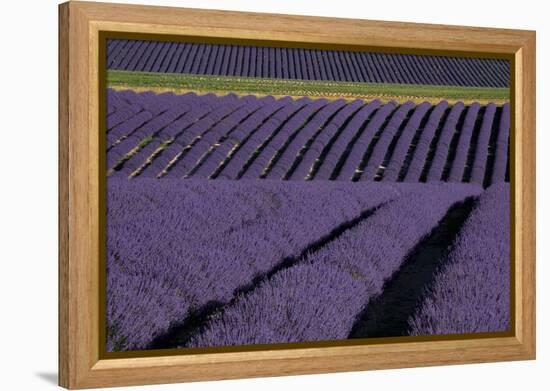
x=230 y=137
x=304 y=64
x=269 y=195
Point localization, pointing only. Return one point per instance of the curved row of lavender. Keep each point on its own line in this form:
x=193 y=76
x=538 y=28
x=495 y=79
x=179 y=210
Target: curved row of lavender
x=471 y=293
x=321 y=297
x=230 y=137
x=304 y=64
x=176 y=246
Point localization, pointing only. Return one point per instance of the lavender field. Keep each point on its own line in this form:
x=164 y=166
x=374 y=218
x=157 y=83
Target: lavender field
x=230 y=137
x=256 y=218
x=304 y=64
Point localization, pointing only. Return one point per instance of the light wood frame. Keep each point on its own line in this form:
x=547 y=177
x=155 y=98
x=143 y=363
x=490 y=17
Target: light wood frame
x=80 y=363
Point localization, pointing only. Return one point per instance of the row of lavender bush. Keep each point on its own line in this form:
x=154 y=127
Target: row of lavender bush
x=320 y=298
x=231 y=137
x=471 y=293
x=305 y=64
x=177 y=246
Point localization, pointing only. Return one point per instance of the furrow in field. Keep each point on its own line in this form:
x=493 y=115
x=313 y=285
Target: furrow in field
x=285 y=164
x=272 y=153
x=206 y=143
x=440 y=152
x=471 y=292
x=320 y=297
x=251 y=148
x=313 y=149
x=224 y=149
x=422 y=147
x=380 y=148
x=179 y=247
x=360 y=145
x=180 y=137
x=501 y=150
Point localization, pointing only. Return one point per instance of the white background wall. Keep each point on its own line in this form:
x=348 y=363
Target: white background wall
x=28 y=193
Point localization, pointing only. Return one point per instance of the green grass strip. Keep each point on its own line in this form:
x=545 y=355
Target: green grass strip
x=284 y=87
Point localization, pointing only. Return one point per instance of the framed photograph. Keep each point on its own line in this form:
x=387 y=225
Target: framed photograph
x=247 y=195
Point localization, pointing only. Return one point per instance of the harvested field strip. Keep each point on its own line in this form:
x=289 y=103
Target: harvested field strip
x=185 y=83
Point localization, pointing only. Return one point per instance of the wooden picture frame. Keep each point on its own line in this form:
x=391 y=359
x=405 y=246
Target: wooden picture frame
x=81 y=363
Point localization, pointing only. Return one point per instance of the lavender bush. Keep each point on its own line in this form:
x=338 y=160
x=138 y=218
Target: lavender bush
x=322 y=139
x=397 y=160
x=461 y=154
x=320 y=298
x=502 y=143
x=482 y=147
x=338 y=148
x=381 y=147
x=197 y=241
x=444 y=143
x=268 y=154
x=362 y=142
x=245 y=156
x=226 y=125
x=230 y=142
x=305 y=133
x=471 y=293
x=423 y=145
